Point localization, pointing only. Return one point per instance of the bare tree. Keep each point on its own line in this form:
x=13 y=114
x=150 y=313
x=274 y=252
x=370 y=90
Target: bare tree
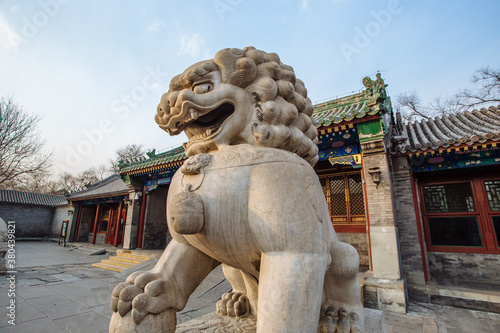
x=488 y=92
x=71 y=183
x=21 y=148
x=412 y=108
x=126 y=153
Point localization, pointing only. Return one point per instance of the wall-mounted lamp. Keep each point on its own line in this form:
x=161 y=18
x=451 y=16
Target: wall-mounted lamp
x=375 y=173
x=127 y=200
x=138 y=197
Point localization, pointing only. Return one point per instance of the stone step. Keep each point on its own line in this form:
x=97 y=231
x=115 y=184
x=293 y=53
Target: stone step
x=108 y=267
x=117 y=263
x=123 y=259
x=132 y=256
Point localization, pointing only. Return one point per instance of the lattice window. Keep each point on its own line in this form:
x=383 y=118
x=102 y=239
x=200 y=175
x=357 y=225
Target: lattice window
x=338 y=205
x=492 y=188
x=344 y=194
x=357 y=206
x=449 y=198
x=463 y=216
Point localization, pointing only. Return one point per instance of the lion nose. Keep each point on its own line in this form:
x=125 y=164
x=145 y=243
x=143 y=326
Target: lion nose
x=172 y=98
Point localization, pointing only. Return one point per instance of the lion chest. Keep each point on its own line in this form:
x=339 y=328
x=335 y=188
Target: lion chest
x=212 y=212
x=230 y=204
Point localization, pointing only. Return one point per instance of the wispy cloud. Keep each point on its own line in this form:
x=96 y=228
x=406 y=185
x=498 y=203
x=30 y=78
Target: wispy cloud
x=9 y=38
x=156 y=25
x=305 y=6
x=194 y=46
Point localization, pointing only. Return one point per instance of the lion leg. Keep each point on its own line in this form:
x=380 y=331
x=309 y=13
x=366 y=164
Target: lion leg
x=147 y=301
x=242 y=300
x=342 y=310
x=290 y=292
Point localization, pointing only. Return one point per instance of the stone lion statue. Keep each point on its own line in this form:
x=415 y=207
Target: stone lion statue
x=248 y=198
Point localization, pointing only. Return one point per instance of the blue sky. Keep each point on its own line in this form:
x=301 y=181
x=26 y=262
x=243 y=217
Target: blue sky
x=95 y=70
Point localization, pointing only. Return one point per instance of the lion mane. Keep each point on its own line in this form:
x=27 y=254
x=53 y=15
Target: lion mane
x=282 y=112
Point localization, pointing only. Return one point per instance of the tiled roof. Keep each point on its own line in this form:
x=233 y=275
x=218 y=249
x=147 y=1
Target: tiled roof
x=463 y=128
x=367 y=102
x=29 y=198
x=166 y=158
x=343 y=109
x=108 y=187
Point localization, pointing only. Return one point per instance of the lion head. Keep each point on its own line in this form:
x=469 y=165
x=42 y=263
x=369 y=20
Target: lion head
x=241 y=96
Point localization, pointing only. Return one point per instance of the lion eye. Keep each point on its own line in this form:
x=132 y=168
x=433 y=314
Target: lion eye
x=202 y=88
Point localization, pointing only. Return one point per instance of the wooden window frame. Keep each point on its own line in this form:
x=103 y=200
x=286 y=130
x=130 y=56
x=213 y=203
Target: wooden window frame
x=349 y=226
x=483 y=213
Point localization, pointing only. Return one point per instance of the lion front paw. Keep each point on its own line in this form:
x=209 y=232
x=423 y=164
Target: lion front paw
x=340 y=320
x=142 y=293
x=233 y=304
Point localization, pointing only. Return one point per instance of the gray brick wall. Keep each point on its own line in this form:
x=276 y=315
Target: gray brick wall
x=465 y=269
x=411 y=256
x=31 y=221
x=360 y=243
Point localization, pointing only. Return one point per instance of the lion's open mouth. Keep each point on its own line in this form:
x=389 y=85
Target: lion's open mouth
x=210 y=123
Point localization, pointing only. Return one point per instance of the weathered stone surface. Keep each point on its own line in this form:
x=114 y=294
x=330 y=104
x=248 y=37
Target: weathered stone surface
x=246 y=197
x=214 y=322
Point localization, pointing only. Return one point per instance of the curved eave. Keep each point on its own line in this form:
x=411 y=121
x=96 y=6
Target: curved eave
x=346 y=114
x=106 y=195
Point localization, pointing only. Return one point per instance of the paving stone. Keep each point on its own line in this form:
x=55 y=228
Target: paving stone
x=103 y=309
x=23 y=311
x=58 y=306
x=29 y=282
x=46 y=278
x=93 y=283
x=90 y=322
x=44 y=325
x=50 y=271
x=34 y=292
x=66 y=277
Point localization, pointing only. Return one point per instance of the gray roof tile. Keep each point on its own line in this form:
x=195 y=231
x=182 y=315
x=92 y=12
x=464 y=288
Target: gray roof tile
x=465 y=128
x=30 y=198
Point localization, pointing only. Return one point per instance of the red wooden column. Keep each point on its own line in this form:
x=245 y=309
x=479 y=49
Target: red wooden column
x=117 y=225
x=141 y=218
x=419 y=227
x=96 y=220
x=79 y=217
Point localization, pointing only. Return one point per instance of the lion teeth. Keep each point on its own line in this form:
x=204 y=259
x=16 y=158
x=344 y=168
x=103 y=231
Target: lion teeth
x=194 y=113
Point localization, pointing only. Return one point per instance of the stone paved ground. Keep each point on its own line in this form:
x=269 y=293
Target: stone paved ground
x=59 y=291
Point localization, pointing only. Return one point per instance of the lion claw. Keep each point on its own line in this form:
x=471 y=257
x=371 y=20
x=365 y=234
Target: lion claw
x=138 y=316
x=124 y=307
x=233 y=304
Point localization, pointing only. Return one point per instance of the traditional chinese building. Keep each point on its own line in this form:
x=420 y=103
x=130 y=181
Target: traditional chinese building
x=447 y=194
x=101 y=212
x=420 y=202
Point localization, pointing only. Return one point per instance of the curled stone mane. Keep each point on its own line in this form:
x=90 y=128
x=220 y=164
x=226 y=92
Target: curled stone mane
x=282 y=112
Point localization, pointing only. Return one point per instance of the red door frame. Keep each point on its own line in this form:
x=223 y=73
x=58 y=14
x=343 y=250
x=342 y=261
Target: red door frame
x=482 y=212
x=117 y=224
x=96 y=221
x=78 y=218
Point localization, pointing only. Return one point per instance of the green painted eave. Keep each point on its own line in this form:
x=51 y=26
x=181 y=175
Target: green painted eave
x=168 y=157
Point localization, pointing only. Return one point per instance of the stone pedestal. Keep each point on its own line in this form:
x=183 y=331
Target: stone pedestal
x=213 y=322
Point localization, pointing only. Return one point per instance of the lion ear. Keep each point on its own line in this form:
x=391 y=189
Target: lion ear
x=226 y=61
